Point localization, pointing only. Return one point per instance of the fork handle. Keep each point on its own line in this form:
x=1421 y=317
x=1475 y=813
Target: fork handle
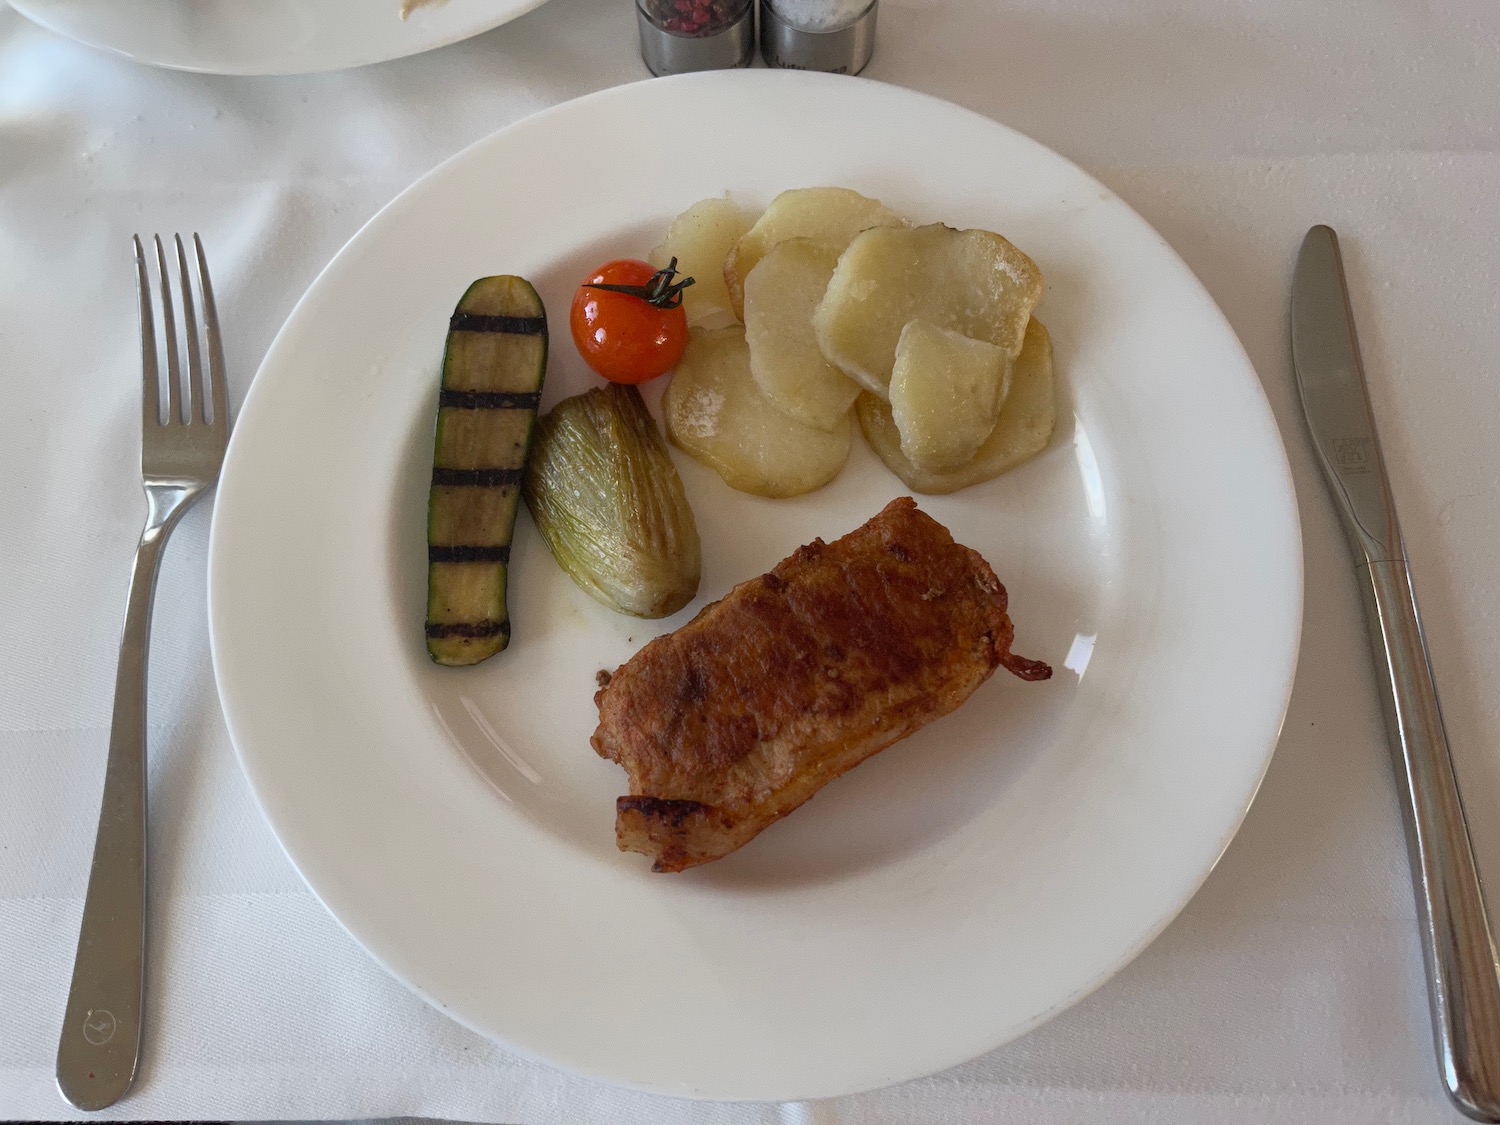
x=101 y=1033
x=1463 y=988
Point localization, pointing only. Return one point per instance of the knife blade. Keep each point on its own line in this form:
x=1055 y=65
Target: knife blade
x=1457 y=947
x=1331 y=379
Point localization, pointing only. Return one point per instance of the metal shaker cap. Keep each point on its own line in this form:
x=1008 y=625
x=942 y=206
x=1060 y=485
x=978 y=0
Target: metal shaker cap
x=841 y=50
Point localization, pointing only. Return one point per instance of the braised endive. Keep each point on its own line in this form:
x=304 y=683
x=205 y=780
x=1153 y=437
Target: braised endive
x=606 y=497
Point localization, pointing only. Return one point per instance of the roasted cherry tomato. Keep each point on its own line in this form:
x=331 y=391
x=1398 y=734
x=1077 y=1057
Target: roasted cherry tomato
x=627 y=320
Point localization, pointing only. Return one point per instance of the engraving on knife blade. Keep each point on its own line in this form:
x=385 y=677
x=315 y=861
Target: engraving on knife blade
x=1354 y=455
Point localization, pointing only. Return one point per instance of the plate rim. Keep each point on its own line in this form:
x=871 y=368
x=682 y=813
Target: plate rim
x=1282 y=479
x=38 y=12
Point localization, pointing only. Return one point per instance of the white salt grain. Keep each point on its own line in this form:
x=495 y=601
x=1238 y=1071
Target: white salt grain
x=820 y=15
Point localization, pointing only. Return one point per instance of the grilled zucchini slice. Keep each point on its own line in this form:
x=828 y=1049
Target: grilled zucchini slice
x=493 y=366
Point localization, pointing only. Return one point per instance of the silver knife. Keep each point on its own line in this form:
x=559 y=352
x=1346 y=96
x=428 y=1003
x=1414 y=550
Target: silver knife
x=1457 y=947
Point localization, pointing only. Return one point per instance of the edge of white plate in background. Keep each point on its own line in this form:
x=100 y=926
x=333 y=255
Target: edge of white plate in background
x=267 y=37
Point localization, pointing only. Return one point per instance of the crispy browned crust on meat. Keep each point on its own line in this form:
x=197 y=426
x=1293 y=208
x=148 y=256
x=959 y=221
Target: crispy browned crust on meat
x=735 y=719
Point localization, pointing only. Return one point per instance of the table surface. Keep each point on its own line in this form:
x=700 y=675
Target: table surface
x=1289 y=990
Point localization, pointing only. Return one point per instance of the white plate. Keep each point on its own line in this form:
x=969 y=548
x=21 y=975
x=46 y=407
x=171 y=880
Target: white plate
x=267 y=36
x=943 y=898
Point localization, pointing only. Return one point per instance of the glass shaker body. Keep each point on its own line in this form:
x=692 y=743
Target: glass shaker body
x=683 y=35
x=836 y=36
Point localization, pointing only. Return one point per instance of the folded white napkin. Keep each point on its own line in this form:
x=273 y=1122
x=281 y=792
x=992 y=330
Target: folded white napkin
x=1290 y=990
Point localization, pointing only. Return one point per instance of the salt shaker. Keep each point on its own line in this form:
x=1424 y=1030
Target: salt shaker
x=682 y=35
x=837 y=36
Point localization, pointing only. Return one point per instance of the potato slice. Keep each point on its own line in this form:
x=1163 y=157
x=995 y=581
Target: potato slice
x=829 y=214
x=780 y=295
x=1023 y=430
x=700 y=239
x=969 y=281
x=946 y=392
x=716 y=415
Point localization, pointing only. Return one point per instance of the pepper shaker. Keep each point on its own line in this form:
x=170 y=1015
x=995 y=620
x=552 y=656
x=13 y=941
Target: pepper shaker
x=682 y=35
x=837 y=36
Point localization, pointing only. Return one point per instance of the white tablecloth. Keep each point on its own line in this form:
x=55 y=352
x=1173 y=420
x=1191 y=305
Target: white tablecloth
x=1290 y=990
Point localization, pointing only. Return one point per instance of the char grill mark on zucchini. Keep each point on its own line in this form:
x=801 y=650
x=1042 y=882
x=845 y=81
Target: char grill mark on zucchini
x=470 y=629
x=491 y=400
x=493 y=365
x=476 y=478
x=513 y=325
x=468 y=554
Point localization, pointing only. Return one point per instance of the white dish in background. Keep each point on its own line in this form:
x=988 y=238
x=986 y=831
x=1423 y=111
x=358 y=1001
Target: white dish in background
x=267 y=36
x=941 y=899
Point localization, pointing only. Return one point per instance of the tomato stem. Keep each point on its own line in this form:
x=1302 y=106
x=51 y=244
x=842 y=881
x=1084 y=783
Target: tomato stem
x=660 y=291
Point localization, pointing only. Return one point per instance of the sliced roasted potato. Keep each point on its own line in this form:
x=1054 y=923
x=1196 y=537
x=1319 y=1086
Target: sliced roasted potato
x=969 y=281
x=716 y=415
x=780 y=295
x=946 y=392
x=700 y=239
x=1023 y=430
x=828 y=214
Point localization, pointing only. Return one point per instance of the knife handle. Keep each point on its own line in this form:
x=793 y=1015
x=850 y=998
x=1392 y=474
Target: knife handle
x=1459 y=952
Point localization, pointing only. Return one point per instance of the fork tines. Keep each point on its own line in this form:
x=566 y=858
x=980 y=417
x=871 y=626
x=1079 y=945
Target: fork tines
x=186 y=404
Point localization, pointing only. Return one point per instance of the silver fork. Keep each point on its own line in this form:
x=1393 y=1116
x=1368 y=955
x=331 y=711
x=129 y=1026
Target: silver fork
x=181 y=451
